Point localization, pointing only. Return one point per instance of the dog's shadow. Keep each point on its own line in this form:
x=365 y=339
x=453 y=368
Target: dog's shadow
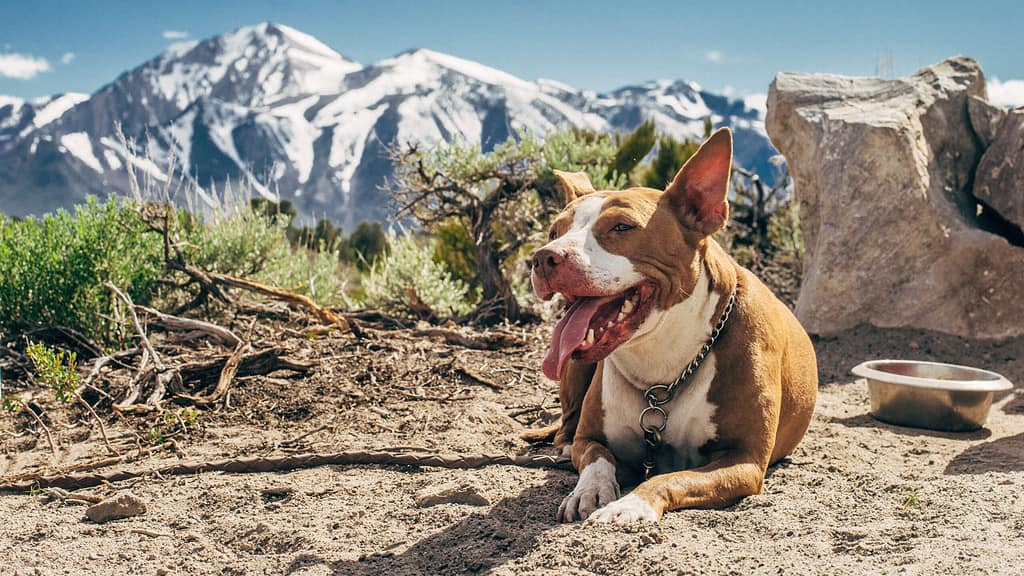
x=477 y=543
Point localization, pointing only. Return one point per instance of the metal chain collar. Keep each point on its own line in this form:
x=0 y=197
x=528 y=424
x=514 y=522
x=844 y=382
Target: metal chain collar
x=658 y=395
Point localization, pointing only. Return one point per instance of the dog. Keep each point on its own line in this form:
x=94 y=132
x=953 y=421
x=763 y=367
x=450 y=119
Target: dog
x=681 y=372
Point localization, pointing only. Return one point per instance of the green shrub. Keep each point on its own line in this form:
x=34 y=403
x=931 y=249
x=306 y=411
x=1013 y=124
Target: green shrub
x=671 y=156
x=453 y=247
x=408 y=279
x=248 y=240
x=52 y=270
x=367 y=243
x=59 y=370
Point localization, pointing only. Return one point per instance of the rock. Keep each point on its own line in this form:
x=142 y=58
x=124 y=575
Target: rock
x=891 y=230
x=999 y=179
x=451 y=493
x=985 y=119
x=124 y=505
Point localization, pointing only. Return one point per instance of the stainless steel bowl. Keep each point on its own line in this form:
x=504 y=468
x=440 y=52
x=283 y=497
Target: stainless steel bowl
x=930 y=394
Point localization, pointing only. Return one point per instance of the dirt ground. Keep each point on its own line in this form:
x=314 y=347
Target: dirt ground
x=857 y=497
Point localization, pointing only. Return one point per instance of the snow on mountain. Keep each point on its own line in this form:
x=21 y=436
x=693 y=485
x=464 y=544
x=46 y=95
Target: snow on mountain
x=271 y=105
x=18 y=118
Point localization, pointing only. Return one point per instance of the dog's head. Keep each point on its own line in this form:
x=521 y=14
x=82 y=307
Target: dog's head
x=619 y=256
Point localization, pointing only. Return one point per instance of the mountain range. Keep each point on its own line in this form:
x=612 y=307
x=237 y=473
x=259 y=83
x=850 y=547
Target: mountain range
x=277 y=108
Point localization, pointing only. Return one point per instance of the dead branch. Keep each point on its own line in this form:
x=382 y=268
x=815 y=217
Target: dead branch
x=135 y=321
x=488 y=341
x=466 y=372
x=49 y=438
x=292 y=462
x=103 y=429
x=325 y=315
x=150 y=533
x=179 y=324
x=252 y=364
x=63 y=495
x=227 y=374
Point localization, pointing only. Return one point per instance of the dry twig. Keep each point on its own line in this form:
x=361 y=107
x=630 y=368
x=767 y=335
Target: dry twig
x=291 y=462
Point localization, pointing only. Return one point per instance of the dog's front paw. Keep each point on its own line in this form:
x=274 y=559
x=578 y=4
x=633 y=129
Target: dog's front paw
x=596 y=488
x=626 y=510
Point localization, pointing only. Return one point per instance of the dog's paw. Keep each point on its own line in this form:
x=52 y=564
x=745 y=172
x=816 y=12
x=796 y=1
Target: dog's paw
x=596 y=488
x=626 y=510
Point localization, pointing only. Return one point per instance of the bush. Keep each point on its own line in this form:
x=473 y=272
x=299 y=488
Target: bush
x=249 y=240
x=408 y=281
x=454 y=248
x=52 y=270
x=367 y=243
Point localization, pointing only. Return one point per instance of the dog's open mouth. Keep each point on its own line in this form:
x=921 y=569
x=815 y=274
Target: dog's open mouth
x=595 y=326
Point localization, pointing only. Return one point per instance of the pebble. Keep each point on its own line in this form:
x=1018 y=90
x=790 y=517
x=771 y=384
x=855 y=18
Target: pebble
x=123 y=505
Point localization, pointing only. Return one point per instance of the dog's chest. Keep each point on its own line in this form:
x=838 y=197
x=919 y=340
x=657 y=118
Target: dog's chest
x=690 y=422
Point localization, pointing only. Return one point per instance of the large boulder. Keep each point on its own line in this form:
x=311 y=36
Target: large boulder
x=999 y=179
x=882 y=171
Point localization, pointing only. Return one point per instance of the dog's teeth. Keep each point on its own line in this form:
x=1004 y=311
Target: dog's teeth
x=610 y=323
x=590 y=336
x=621 y=316
x=627 y=307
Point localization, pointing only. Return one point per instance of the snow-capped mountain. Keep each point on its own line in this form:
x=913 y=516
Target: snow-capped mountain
x=273 y=106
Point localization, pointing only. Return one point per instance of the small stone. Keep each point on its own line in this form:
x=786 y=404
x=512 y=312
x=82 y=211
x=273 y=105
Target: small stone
x=451 y=493
x=123 y=505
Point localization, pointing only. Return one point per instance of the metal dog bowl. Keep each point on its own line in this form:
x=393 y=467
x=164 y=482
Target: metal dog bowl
x=930 y=394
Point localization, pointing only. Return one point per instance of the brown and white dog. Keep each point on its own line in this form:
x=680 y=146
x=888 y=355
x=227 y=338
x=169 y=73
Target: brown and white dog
x=646 y=285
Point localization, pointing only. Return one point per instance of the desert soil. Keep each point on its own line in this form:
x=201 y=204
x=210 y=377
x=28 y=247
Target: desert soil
x=857 y=497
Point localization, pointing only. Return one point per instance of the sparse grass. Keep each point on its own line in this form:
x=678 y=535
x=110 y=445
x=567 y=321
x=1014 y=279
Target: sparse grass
x=242 y=241
x=913 y=500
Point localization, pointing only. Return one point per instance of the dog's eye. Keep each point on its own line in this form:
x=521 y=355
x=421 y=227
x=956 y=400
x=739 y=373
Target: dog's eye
x=622 y=227
x=552 y=234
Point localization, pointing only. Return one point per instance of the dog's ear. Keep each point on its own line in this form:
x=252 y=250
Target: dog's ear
x=698 y=192
x=573 y=184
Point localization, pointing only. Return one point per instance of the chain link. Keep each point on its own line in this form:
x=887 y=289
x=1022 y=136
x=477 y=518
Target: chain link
x=657 y=395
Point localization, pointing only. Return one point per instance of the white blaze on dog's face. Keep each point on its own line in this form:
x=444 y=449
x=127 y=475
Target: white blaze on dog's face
x=616 y=256
x=599 y=271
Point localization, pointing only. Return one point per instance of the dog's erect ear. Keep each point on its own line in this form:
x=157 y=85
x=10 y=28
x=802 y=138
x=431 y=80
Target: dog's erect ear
x=698 y=192
x=573 y=184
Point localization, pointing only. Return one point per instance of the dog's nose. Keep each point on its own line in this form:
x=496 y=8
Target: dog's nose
x=546 y=260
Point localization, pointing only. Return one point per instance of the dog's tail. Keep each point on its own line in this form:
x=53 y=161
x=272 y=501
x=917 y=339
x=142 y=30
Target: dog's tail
x=541 y=435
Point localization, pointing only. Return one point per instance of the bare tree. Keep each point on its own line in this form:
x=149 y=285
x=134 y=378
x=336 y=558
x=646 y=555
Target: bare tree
x=501 y=197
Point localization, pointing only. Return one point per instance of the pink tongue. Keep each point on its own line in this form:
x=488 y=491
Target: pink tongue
x=570 y=332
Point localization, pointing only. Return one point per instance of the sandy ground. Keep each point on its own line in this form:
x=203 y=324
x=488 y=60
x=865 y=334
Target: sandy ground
x=857 y=497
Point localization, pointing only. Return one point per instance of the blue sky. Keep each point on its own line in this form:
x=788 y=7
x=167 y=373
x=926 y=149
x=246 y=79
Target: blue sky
x=596 y=45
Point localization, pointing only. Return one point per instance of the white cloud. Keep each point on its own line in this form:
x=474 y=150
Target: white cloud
x=714 y=56
x=1009 y=94
x=175 y=34
x=67 y=58
x=22 y=66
